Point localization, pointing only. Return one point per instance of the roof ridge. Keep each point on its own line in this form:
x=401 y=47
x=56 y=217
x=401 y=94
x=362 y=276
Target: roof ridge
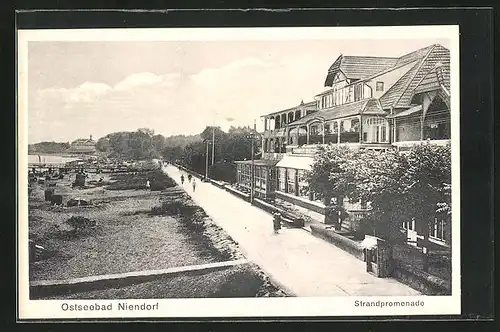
x=416 y=72
x=385 y=71
x=361 y=111
x=440 y=63
x=372 y=56
x=417 y=50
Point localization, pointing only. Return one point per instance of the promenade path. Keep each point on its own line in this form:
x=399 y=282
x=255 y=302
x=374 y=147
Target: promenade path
x=299 y=262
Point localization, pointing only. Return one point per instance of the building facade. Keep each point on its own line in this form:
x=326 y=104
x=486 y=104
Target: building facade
x=82 y=146
x=368 y=103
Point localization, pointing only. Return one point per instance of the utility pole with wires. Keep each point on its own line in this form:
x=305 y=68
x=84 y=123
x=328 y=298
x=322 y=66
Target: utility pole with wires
x=213 y=144
x=206 y=164
x=252 y=190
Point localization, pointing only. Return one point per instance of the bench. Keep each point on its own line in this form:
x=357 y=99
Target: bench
x=290 y=219
x=238 y=193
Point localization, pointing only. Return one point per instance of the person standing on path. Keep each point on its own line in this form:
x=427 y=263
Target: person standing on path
x=182 y=179
x=189 y=177
x=194 y=185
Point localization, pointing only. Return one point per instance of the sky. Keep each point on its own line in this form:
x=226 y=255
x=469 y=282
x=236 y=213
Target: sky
x=82 y=88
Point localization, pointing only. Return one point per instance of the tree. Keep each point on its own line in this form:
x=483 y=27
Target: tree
x=426 y=185
x=48 y=147
x=103 y=144
x=375 y=178
x=158 y=142
x=403 y=186
x=329 y=179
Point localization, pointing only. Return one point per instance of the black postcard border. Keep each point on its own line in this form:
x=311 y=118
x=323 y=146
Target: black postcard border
x=477 y=121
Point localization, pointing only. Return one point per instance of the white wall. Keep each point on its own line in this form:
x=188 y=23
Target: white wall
x=389 y=79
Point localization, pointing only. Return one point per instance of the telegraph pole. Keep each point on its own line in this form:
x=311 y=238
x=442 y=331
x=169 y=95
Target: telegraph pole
x=252 y=190
x=206 y=165
x=213 y=144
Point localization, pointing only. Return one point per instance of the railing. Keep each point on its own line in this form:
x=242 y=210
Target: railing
x=275 y=133
x=305 y=149
x=358 y=214
x=441 y=142
x=272 y=155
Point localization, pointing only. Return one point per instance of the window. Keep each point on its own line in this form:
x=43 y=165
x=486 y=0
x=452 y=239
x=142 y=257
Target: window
x=375 y=130
x=409 y=225
x=260 y=177
x=358 y=92
x=379 y=86
x=335 y=128
x=383 y=134
x=303 y=184
x=314 y=130
x=342 y=128
x=290 y=183
x=354 y=125
x=437 y=229
x=350 y=94
x=244 y=175
x=328 y=128
x=282 y=179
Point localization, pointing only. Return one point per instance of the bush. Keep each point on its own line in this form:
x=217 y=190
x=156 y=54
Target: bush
x=223 y=172
x=79 y=223
x=171 y=208
x=360 y=228
x=131 y=181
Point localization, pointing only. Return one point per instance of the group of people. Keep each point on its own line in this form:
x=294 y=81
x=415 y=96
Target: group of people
x=189 y=177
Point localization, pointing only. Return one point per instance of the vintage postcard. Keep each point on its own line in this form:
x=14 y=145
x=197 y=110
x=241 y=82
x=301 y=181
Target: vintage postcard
x=238 y=172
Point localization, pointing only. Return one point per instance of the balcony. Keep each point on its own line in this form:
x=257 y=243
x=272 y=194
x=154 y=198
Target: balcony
x=275 y=133
x=272 y=155
x=305 y=149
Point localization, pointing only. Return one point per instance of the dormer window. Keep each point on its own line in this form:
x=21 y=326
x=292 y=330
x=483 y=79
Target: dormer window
x=380 y=86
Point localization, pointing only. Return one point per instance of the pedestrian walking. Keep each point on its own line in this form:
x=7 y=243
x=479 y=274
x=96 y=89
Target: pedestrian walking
x=182 y=179
x=189 y=177
x=276 y=222
x=194 y=185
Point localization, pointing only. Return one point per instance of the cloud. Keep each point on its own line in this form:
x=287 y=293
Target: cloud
x=145 y=80
x=85 y=92
x=234 y=94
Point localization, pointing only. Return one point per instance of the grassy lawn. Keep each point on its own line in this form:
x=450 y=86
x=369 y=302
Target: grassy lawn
x=137 y=180
x=136 y=229
x=127 y=237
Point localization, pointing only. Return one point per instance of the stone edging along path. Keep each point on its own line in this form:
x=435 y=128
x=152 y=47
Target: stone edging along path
x=44 y=288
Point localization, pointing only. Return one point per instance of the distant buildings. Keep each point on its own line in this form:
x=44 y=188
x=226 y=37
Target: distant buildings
x=368 y=103
x=82 y=146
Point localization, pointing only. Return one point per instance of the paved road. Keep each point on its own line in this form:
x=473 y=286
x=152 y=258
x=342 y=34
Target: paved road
x=300 y=262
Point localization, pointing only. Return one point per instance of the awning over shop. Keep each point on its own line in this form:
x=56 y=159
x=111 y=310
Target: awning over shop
x=297 y=162
x=407 y=112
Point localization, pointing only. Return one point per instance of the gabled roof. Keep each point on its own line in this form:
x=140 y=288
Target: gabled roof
x=437 y=54
x=358 y=67
x=415 y=55
x=429 y=73
x=438 y=76
x=370 y=106
x=391 y=96
x=81 y=149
